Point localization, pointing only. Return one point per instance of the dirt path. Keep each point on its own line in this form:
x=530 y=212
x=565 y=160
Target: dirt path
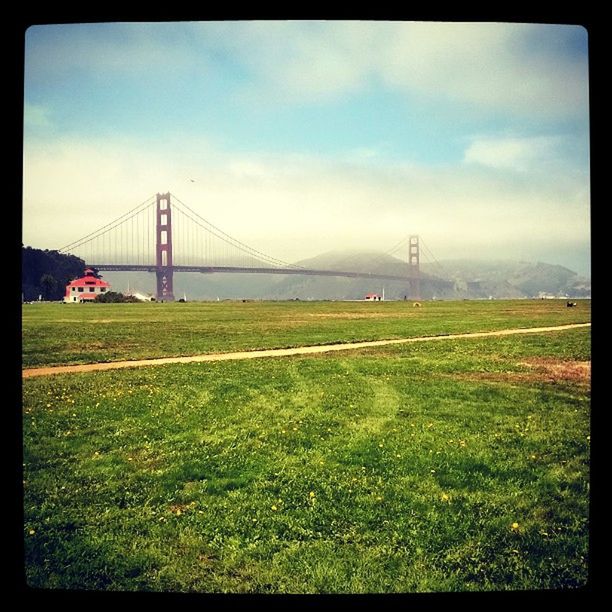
x=301 y=350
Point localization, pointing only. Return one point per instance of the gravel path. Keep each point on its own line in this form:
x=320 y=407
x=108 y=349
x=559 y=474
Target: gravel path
x=301 y=350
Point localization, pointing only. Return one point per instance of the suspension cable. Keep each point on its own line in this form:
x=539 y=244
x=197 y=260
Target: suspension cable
x=105 y=228
x=189 y=214
x=209 y=227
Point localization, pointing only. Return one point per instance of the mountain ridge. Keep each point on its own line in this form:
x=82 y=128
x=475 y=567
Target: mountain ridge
x=445 y=279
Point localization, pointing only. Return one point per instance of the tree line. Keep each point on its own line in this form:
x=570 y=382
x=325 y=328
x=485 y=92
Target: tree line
x=46 y=273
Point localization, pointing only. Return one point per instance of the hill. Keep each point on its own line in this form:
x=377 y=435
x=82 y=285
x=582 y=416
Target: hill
x=481 y=279
x=451 y=279
x=46 y=273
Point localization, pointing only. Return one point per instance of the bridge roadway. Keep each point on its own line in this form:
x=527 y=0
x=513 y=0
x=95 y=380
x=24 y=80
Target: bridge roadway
x=237 y=269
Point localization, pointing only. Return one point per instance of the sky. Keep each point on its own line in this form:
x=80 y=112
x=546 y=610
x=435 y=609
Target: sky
x=301 y=137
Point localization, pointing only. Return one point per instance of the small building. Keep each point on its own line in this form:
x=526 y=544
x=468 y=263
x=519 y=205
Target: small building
x=86 y=288
x=372 y=297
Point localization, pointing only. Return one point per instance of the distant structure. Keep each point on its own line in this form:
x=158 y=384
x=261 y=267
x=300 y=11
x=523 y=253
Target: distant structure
x=372 y=297
x=146 y=239
x=164 y=269
x=86 y=288
x=143 y=297
x=414 y=256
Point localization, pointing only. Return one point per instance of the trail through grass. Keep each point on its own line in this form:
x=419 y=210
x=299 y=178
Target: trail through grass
x=429 y=467
x=87 y=333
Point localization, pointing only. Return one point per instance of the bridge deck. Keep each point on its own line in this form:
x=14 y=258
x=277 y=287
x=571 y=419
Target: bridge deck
x=237 y=269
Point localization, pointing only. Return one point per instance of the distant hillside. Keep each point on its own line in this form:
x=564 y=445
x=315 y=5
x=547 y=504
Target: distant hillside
x=469 y=279
x=453 y=279
x=322 y=287
x=481 y=279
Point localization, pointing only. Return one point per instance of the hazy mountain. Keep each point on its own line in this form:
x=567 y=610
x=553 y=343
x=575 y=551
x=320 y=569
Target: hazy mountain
x=452 y=279
x=511 y=279
x=342 y=288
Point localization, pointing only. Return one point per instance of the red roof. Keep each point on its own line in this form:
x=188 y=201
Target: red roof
x=87 y=285
x=89 y=280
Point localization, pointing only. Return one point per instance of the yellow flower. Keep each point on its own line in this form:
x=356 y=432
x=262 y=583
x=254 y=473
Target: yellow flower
x=311 y=494
x=515 y=526
x=445 y=497
x=274 y=508
x=32 y=532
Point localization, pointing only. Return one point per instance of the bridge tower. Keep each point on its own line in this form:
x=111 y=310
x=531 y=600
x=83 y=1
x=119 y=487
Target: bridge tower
x=163 y=249
x=414 y=269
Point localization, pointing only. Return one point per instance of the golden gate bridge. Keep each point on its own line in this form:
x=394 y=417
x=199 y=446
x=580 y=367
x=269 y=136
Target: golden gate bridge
x=164 y=235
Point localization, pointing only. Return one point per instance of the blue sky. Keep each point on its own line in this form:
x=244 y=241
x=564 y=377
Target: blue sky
x=301 y=137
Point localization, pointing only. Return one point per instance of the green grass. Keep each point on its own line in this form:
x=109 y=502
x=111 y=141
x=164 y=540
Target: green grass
x=399 y=469
x=83 y=333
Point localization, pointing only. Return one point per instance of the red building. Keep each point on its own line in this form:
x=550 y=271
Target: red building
x=85 y=288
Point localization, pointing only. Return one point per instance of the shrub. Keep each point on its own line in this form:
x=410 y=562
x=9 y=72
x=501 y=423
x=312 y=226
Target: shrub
x=114 y=297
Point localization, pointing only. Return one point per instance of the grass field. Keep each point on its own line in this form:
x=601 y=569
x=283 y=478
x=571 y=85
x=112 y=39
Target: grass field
x=83 y=333
x=453 y=466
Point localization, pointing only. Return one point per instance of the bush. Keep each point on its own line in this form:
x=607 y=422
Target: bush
x=113 y=297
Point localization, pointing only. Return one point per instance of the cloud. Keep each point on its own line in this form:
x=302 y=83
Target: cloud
x=293 y=61
x=493 y=65
x=514 y=153
x=509 y=189
x=524 y=69
x=58 y=52
x=295 y=206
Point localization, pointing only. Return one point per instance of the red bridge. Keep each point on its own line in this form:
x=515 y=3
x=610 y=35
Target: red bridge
x=165 y=236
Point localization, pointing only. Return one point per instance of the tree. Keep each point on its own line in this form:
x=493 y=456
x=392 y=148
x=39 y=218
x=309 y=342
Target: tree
x=48 y=284
x=36 y=264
